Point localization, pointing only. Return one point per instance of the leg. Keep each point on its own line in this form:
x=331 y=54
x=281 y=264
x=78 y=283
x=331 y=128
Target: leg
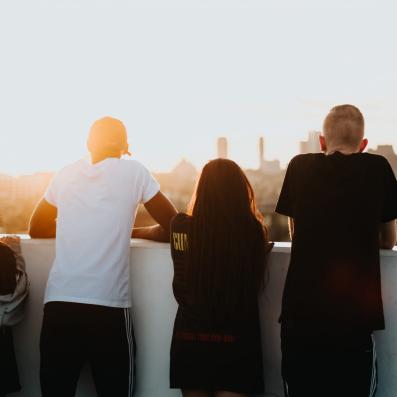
x=196 y=393
x=305 y=365
x=293 y=375
x=61 y=350
x=359 y=371
x=346 y=371
x=112 y=352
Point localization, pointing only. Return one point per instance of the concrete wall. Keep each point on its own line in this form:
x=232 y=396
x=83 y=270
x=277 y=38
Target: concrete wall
x=154 y=310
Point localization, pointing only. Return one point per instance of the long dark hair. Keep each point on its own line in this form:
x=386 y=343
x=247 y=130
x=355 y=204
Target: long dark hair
x=227 y=244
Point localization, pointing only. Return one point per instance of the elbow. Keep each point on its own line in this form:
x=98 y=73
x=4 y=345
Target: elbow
x=387 y=242
x=36 y=231
x=33 y=231
x=387 y=245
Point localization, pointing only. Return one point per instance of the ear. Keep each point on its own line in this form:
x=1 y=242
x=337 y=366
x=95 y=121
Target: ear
x=363 y=145
x=323 y=144
x=125 y=150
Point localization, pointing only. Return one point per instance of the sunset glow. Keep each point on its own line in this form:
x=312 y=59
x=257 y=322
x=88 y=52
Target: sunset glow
x=181 y=73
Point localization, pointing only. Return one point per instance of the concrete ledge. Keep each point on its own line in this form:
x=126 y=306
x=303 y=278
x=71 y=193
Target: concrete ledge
x=154 y=311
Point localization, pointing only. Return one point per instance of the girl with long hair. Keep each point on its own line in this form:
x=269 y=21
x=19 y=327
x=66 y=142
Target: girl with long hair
x=219 y=253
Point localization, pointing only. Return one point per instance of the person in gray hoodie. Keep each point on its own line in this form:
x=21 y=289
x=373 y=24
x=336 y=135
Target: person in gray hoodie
x=14 y=289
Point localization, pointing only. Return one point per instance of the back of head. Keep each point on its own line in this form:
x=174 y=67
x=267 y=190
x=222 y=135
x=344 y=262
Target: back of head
x=344 y=127
x=108 y=137
x=224 y=193
x=227 y=243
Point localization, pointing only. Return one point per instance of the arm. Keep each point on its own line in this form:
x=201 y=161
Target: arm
x=291 y=227
x=43 y=220
x=387 y=235
x=162 y=211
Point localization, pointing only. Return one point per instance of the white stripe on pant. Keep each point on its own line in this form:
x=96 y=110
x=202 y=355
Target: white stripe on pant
x=128 y=325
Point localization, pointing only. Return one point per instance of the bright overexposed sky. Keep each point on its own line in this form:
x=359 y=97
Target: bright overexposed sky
x=180 y=73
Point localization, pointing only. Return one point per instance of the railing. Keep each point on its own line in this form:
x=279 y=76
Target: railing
x=154 y=310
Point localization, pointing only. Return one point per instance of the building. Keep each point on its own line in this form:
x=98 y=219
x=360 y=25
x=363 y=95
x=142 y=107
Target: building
x=267 y=167
x=261 y=151
x=178 y=185
x=18 y=197
x=184 y=170
x=312 y=145
x=222 y=148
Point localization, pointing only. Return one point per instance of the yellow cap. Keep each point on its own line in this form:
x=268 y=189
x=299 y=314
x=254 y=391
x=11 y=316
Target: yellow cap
x=108 y=134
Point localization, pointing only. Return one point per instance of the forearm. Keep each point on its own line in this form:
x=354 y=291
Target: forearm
x=386 y=245
x=43 y=221
x=387 y=235
x=155 y=233
x=42 y=231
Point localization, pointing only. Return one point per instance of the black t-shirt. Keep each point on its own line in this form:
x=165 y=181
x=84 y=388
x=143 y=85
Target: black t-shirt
x=208 y=352
x=337 y=203
x=200 y=316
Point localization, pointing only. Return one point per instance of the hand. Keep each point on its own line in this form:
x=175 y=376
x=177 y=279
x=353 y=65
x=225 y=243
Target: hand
x=269 y=247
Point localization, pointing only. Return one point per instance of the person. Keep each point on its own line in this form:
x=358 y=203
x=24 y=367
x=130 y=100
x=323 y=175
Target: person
x=218 y=252
x=342 y=206
x=14 y=290
x=90 y=207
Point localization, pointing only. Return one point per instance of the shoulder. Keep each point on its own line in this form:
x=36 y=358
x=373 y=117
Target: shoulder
x=303 y=160
x=366 y=156
x=72 y=167
x=376 y=160
x=134 y=167
x=308 y=157
x=69 y=169
x=132 y=163
x=180 y=221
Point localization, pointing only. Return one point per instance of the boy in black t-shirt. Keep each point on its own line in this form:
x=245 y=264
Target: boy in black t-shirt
x=342 y=206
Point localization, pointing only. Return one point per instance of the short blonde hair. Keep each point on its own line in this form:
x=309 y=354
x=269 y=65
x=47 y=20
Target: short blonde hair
x=344 y=125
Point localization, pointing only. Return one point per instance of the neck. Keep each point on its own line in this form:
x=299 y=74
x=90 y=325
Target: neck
x=98 y=157
x=342 y=150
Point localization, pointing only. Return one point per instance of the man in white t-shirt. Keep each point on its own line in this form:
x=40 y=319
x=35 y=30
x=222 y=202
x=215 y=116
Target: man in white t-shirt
x=90 y=207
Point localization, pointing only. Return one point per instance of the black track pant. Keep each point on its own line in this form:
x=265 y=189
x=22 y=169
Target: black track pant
x=330 y=369
x=74 y=333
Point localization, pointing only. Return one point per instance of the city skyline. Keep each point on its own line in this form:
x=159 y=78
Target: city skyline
x=262 y=163
x=19 y=195
x=308 y=143
x=181 y=73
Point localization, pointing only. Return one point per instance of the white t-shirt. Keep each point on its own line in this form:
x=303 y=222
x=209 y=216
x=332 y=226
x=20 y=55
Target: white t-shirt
x=96 y=205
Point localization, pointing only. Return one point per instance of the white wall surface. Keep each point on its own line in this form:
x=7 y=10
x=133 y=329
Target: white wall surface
x=154 y=310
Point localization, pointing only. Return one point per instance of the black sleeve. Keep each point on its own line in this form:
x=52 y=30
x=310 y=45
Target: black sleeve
x=389 y=207
x=175 y=226
x=285 y=201
x=179 y=227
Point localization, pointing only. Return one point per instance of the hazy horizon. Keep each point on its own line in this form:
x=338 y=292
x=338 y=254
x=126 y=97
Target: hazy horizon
x=181 y=73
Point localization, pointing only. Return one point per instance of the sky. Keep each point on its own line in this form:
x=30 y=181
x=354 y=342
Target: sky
x=181 y=73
